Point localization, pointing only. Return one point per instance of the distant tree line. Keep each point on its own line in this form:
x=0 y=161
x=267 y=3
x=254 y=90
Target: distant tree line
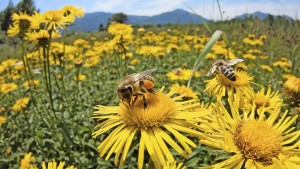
x=117 y=17
x=23 y=6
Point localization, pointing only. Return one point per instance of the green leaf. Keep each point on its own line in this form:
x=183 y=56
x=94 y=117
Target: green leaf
x=66 y=134
x=192 y=162
x=206 y=49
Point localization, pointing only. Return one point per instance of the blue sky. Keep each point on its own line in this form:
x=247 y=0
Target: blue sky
x=206 y=8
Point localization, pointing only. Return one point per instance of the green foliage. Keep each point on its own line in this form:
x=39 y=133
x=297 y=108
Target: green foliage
x=6 y=16
x=22 y=6
x=118 y=17
x=26 y=6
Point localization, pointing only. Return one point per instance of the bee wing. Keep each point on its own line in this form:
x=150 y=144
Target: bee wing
x=144 y=73
x=211 y=71
x=234 y=61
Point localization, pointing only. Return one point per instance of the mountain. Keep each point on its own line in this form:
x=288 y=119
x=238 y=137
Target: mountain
x=177 y=16
x=91 y=21
x=261 y=16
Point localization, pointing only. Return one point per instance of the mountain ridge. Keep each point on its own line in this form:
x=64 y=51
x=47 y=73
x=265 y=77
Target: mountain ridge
x=91 y=21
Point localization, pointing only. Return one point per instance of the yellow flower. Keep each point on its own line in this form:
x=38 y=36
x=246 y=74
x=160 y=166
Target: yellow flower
x=21 y=104
x=264 y=57
x=156 y=51
x=2 y=109
x=179 y=74
x=92 y=61
x=242 y=66
x=239 y=89
x=80 y=77
x=254 y=51
x=120 y=29
x=8 y=87
x=13 y=30
x=184 y=90
x=174 y=166
x=73 y=10
x=249 y=56
x=8 y=150
x=134 y=62
x=80 y=43
x=265 y=142
x=41 y=37
x=78 y=62
x=2 y=120
x=21 y=23
x=287 y=76
x=53 y=165
x=282 y=64
x=264 y=101
x=21 y=19
x=141 y=30
x=33 y=83
x=211 y=56
x=27 y=161
x=56 y=18
x=292 y=88
x=267 y=68
x=127 y=56
x=164 y=121
x=172 y=48
x=263 y=37
x=8 y=64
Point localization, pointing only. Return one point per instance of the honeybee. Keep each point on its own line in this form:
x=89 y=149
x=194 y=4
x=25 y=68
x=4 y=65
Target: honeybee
x=135 y=85
x=224 y=66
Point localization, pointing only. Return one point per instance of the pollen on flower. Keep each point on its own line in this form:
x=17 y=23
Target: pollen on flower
x=261 y=100
x=257 y=140
x=158 y=110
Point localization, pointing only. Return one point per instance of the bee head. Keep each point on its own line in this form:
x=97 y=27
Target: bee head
x=125 y=93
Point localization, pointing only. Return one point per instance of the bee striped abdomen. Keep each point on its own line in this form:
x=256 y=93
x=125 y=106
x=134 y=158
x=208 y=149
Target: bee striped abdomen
x=228 y=72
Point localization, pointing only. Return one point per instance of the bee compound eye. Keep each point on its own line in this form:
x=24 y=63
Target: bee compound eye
x=129 y=88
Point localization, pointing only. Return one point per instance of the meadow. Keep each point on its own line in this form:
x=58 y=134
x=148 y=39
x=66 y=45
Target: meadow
x=59 y=101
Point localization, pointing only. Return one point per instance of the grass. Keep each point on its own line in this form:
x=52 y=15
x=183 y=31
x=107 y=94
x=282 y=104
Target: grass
x=63 y=130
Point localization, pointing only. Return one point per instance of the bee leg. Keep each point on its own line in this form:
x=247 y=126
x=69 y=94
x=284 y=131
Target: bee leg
x=144 y=99
x=134 y=100
x=145 y=102
x=125 y=104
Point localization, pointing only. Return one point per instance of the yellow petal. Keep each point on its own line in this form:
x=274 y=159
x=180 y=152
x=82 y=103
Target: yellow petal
x=163 y=146
x=171 y=142
x=141 y=153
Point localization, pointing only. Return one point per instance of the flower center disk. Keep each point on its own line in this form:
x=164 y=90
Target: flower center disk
x=257 y=140
x=261 y=100
x=158 y=110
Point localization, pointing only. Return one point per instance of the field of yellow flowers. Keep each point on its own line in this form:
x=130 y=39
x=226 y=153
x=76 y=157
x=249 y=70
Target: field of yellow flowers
x=60 y=108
